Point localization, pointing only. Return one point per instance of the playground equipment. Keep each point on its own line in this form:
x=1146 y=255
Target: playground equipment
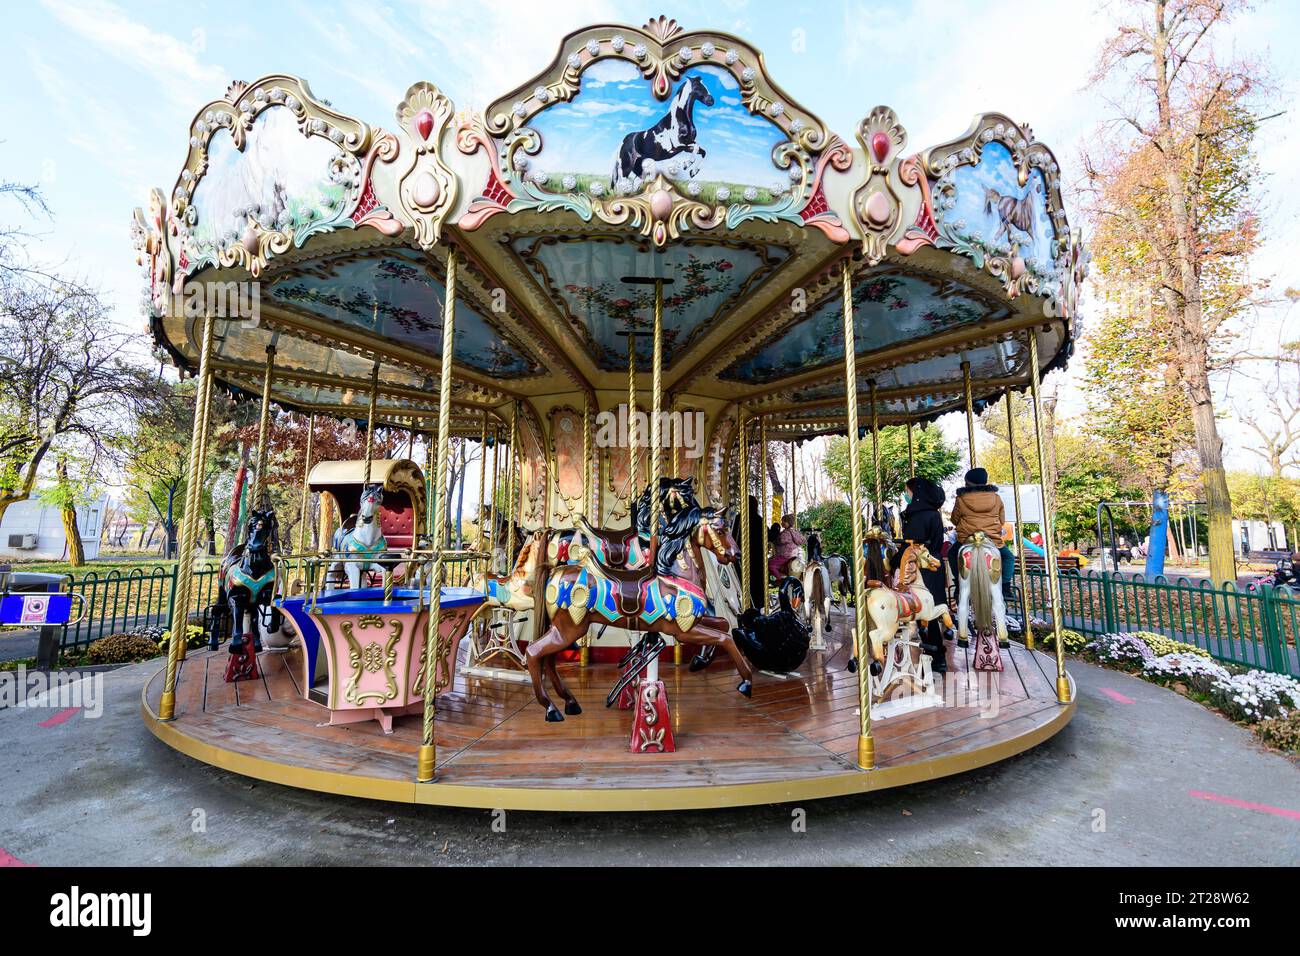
x=483 y=276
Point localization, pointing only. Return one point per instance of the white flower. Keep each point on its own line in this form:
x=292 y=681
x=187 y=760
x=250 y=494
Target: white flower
x=732 y=57
x=624 y=185
x=723 y=194
x=639 y=51
x=522 y=161
x=519 y=109
x=593 y=46
x=706 y=49
x=649 y=168
x=569 y=181
x=575 y=61
x=597 y=188
x=750 y=194
x=618 y=43
x=776 y=109
x=796 y=173
x=542 y=94
x=693 y=188
x=539 y=176
x=748 y=74
x=777 y=187
x=796 y=125
x=686 y=53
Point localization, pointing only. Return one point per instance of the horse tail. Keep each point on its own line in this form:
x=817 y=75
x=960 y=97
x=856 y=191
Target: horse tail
x=980 y=600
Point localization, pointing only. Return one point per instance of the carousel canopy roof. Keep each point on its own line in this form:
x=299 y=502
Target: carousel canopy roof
x=649 y=152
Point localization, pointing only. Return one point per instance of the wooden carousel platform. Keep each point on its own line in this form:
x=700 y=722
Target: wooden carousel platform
x=795 y=740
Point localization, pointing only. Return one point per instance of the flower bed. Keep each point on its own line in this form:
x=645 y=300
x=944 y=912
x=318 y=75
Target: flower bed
x=1270 y=703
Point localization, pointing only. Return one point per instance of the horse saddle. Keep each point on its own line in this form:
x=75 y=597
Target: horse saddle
x=612 y=546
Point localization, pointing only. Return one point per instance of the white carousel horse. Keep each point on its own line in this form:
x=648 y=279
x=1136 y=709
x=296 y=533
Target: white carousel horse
x=909 y=600
x=363 y=538
x=979 y=589
x=817 y=593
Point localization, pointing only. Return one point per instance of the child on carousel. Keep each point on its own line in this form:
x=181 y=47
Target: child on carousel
x=786 y=543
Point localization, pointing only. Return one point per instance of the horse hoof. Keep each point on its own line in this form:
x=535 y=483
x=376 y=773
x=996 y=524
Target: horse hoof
x=853 y=665
x=257 y=647
x=962 y=642
x=213 y=644
x=572 y=708
x=553 y=716
x=746 y=687
x=828 y=627
x=236 y=645
x=875 y=669
x=697 y=664
x=1004 y=644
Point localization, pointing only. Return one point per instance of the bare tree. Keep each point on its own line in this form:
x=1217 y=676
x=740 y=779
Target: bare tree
x=66 y=380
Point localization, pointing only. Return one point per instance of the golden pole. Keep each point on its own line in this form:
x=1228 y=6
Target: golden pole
x=743 y=438
x=584 y=649
x=911 y=453
x=431 y=441
x=370 y=420
x=1020 y=534
x=763 y=507
x=306 y=489
x=189 y=524
x=656 y=433
x=875 y=457
x=511 y=473
x=496 y=484
x=263 y=430
x=866 y=744
x=427 y=758
x=1049 y=533
x=632 y=462
x=794 y=487
x=482 y=480
x=410 y=440
x=970 y=411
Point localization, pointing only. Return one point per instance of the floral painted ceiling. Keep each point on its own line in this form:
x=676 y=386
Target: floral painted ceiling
x=650 y=152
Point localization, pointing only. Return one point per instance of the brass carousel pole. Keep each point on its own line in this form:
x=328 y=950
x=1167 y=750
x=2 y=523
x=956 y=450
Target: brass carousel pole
x=743 y=444
x=875 y=457
x=370 y=421
x=1020 y=534
x=482 y=479
x=189 y=524
x=584 y=649
x=763 y=507
x=632 y=456
x=428 y=751
x=866 y=744
x=1049 y=533
x=911 y=452
x=306 y=488
x=430 y=445
x=496 y=485
x=970 y=411
x=511 y=472
x=263 y=430
x=656 y=436
x=794 y=488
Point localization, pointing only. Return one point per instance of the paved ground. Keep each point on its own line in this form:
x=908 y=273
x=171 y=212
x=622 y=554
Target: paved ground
x=1164 y=771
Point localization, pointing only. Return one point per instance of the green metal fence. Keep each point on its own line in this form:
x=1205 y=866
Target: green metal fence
x=1256 y=627
x=125 y=600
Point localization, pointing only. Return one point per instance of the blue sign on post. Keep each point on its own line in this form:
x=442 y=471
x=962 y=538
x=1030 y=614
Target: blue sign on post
x=1159 y=535
x=35 y=610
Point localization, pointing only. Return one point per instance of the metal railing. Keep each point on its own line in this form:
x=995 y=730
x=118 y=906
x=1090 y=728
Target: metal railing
x=129 y=600
x=1257 y=627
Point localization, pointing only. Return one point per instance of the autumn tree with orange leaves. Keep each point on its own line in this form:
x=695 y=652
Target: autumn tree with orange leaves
x=1169 y=190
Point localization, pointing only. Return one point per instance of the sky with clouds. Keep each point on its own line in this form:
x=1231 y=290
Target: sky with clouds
x=100 y=94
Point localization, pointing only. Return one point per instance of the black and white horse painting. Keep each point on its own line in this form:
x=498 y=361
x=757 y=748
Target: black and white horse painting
x=672 y=136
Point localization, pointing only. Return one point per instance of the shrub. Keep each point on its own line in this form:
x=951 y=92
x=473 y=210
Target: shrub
x=1075 y=643
x=1281 y=732
x=121 y=649
x=1162 y=645
x=1120 y=649
x=1255 y=695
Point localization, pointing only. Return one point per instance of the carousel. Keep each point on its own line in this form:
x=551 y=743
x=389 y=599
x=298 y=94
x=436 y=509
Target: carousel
x=621 y=284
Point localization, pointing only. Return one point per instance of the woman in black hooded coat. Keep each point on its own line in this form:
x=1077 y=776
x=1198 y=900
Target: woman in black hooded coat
x=923 y=525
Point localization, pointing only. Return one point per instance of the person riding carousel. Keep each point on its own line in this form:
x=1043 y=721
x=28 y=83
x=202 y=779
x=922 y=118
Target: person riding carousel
x=785 y=546
x=922 y=524
x=979 y=508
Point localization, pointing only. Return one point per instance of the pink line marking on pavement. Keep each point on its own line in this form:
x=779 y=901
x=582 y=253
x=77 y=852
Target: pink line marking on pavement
x=1245 y=804
x=7 y=859
x=1116 y=696
x=61 y=717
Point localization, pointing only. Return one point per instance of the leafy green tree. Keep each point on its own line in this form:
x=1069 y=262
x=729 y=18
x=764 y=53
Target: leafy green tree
x=936 y=459
x=832 y=519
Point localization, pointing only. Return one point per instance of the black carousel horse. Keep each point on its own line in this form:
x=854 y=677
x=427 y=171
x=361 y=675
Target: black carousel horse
x=673 y=135
x=776 y=642
x=246 y=581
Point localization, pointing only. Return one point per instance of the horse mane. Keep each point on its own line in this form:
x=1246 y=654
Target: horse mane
x=674 y=532
x=814 y=545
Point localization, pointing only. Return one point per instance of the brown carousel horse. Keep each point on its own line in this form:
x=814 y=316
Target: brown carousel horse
x=667 y=598
x=908 y=599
